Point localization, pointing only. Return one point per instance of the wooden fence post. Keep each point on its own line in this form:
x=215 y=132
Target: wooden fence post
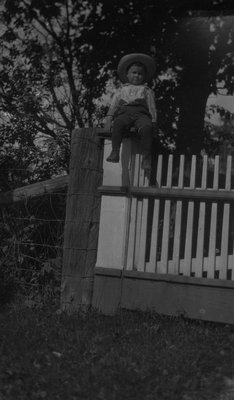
x=82 y=220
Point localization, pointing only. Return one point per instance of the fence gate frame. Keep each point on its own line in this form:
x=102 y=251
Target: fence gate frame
x=129 y=274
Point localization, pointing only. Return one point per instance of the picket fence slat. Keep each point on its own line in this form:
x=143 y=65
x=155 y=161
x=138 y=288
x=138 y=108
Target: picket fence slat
x=187 y=237
x=133 y=215
x=139 y=181
x=225 y=226
x=143 y=181
x=162 y=268
x=189 y=228
x=152 y=265
x=173 y=267
x=231 y=264
x=199 y=262
x=213 y=225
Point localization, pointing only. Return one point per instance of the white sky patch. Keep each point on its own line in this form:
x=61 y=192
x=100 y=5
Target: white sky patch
x=41 y=140
x=226 y=102
x=105 y=99
x=221 y=100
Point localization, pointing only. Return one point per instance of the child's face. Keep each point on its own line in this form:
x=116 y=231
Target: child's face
x=136 y=75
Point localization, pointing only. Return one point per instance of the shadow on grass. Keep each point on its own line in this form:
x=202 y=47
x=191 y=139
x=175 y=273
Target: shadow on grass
x=133 y=355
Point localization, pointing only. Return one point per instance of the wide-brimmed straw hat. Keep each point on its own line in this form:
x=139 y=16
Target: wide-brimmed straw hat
x=129 y=59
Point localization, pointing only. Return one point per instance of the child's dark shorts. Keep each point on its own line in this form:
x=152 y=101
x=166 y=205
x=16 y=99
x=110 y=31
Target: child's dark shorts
x=135 y=115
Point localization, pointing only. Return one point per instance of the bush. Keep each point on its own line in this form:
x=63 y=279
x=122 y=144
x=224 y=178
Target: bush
x=8 y=287
x=31 y=239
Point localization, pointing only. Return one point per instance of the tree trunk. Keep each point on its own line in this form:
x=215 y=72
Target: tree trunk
x=195 y=85
x=82 y=220
x=191 y=120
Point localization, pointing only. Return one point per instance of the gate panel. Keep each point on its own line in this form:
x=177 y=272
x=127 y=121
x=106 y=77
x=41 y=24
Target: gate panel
x=189 y=236
x=178 y=240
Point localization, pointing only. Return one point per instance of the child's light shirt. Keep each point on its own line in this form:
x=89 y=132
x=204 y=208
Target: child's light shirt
x=129 y=94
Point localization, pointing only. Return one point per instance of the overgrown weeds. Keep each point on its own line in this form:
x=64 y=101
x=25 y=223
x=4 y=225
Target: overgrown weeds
x=31 y=237
x=133 y=355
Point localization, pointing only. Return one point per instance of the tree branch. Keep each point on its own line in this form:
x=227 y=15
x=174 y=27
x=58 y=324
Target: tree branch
x=68 y=67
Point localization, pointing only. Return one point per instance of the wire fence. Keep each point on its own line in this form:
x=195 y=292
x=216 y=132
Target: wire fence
x=31 y=242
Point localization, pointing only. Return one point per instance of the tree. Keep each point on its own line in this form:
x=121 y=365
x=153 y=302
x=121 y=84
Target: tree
x=192 y=50
x=57 y=58
x=47 y=76
x=203 y=49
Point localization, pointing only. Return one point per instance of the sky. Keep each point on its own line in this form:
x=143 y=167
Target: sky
x=222 y=100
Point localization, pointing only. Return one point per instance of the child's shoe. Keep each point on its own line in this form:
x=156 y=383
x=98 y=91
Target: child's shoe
x=114 y=156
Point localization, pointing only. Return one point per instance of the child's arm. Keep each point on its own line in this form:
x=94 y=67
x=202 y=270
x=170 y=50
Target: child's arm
x=108 y=122
x=113 y=106
x=150 y=98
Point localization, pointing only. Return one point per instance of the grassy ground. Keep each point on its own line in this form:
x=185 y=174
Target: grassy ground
x=46 y=355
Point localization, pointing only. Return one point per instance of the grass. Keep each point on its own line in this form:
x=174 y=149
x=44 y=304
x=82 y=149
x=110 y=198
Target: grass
x=133 y=355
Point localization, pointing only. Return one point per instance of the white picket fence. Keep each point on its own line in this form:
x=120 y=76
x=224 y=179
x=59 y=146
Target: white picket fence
x=184 y=224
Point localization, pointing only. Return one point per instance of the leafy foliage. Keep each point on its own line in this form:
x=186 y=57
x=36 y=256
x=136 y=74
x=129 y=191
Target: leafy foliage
x=58 y=57
x=47 y=80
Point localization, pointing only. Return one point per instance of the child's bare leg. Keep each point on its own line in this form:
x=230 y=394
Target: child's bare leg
x=146 y=145
x=117 y=135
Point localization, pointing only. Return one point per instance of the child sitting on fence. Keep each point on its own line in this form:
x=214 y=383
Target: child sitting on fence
x=133 y=104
